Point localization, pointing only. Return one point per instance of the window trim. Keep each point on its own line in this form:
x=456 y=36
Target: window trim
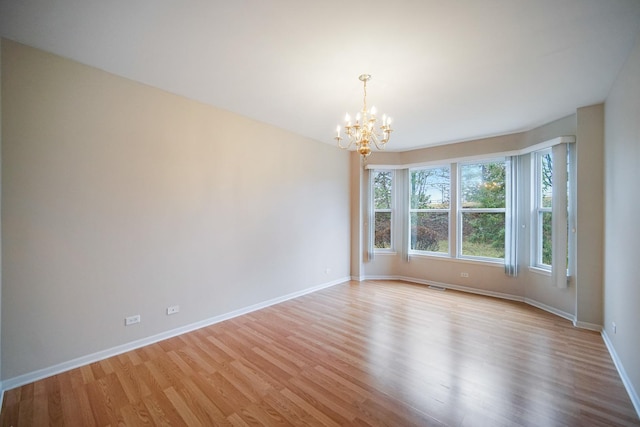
x=392 y=248
x=537 y=211
x=460 y=210
x=448 y=211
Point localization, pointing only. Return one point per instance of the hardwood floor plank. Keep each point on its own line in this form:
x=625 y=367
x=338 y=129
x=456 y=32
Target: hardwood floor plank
x=135 y=415
x=81 y=399
x=10 y=415
x=104 y=405
x=181 y=406
x=307 y=405
x=133 y=386
x=360 y=353
x=237 y=421
x=290 y=411
x=162 y=411
x=317 y=396
x=211 y=414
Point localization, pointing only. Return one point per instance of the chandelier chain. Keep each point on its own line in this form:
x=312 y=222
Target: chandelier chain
x=364 y=99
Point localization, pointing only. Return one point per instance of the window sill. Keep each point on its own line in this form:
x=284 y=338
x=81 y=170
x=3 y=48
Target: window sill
x=426 y=254
x=447 y=258
x=541 y=271
x=384 y=252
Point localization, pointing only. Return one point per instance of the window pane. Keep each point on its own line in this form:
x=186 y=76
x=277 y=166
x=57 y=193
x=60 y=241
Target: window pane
x=430 y=231
x=483 y=234
x=546 y=179
x=382 y=189
x=483 y=185
x=546 y=237
x=382 y=232
x=430 y=188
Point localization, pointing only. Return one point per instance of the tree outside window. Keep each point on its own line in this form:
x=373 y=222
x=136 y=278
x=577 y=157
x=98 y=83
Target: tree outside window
x=482 y=209
x=544 y=195
x=382 y=208
x=429 y=209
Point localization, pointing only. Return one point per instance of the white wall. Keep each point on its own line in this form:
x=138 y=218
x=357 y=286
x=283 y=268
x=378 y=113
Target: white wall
x=120 y=199
x=622 y=227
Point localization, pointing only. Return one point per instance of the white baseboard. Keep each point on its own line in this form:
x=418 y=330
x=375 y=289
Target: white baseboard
x=469 y=290
x=101 y=355
x=587 y=325
x=501 y=295
x=449 y=286
x=635 y=400
x=570 y=317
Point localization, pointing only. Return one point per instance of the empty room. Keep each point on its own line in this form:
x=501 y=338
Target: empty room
x=320 y=213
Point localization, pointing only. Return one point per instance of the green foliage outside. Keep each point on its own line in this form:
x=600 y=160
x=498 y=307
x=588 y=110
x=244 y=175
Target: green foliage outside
x=547 y=183
x=382 y=182
x=430 y=191
x=483 y=186
x=382 y=187
x=382 y=235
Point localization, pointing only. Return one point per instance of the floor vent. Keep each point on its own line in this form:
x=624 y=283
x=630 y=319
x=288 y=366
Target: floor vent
x=436 y=288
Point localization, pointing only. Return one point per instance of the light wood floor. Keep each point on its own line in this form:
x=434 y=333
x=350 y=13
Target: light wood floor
x=369 y=353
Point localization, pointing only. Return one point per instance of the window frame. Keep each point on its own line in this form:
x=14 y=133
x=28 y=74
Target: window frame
x=448 y=211
x=460 y=210
x=391 y=211
x=538 y=210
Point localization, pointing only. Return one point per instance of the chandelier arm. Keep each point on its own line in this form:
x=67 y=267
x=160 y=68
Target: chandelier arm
x=378 y=144
x=345 y=147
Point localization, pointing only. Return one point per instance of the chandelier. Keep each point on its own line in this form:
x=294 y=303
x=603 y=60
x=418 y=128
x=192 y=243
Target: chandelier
x=366 y=129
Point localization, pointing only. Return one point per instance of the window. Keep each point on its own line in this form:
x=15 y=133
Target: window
x=382 y=185
x=482 y=209
x=429 y=209
x=542 y=209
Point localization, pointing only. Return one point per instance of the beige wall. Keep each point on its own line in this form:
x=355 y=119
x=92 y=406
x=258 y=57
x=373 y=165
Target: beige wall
x=622 y=227
x=357 y=209
x=590 y=214
x=120 y=199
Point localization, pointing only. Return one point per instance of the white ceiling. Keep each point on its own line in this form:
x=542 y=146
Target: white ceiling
x=445 y=70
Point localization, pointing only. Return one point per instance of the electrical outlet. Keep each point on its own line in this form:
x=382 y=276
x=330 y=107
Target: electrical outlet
x=173 y=309
x=131 y=320
x=464 y=274
x=615 y=327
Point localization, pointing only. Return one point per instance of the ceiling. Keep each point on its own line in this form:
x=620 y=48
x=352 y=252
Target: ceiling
x=444 y=70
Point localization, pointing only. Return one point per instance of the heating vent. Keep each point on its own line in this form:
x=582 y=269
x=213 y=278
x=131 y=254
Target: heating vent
x=436 y=288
